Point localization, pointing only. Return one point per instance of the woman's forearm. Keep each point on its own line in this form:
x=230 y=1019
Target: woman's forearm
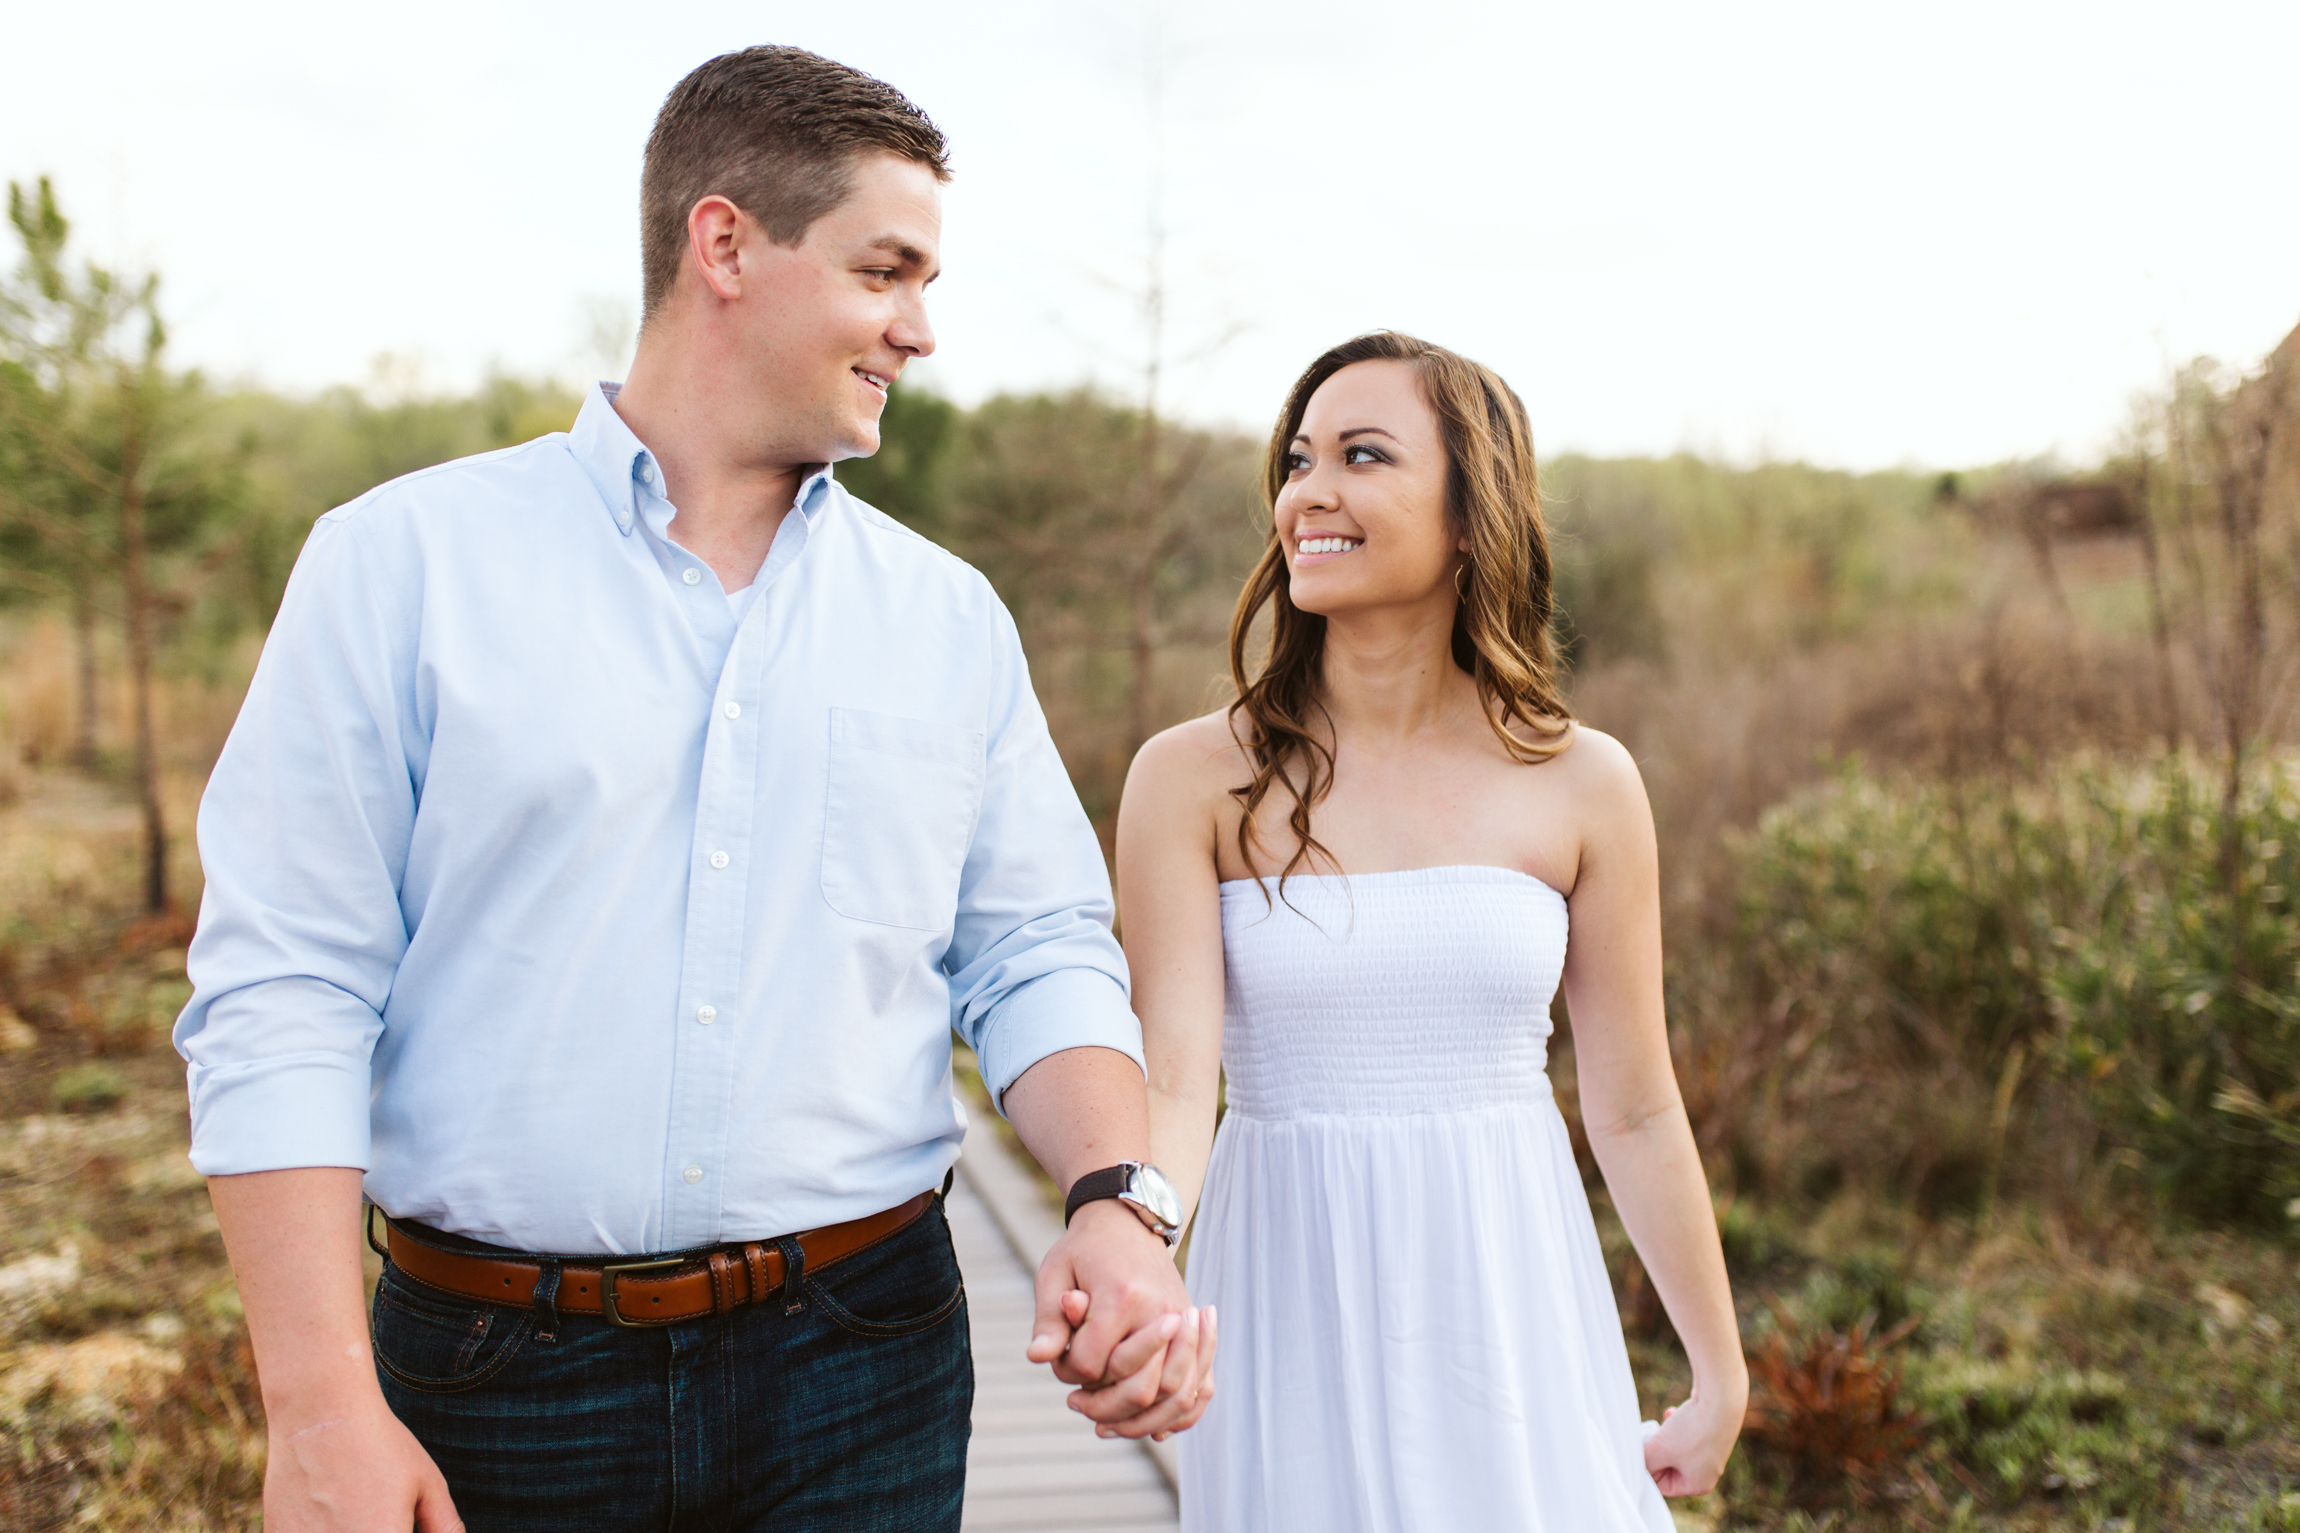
x=1654 y=1172
x=1181 y=1142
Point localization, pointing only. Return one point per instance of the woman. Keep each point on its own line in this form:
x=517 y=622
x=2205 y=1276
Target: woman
x=1368 y=862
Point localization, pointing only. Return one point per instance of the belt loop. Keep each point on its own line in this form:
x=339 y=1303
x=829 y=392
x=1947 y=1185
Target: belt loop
x=755 y=1271
x=794 y=1273
x=367 y=1213
x=547 y=1299
x=722 y=1267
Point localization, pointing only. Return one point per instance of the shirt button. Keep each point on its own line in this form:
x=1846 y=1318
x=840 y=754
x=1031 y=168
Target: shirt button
x=692 y=577
x=706 y=1014
x=734 y=710
x=718 y=859
x=693 y=1173
x=646 y=473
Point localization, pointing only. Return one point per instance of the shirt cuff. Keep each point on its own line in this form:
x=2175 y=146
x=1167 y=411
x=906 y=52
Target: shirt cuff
x=279 y=1114
x=1068 y=1009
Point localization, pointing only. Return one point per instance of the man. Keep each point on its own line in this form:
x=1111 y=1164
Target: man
x=615 y=829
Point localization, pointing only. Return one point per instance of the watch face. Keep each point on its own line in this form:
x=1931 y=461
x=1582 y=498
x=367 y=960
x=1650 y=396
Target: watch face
x=1157 y=1194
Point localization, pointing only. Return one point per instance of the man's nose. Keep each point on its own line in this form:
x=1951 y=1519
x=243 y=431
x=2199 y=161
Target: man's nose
x=911 y=331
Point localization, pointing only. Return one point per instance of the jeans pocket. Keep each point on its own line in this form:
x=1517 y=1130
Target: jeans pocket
x=898 y=815
x=905 y=1284
x=439 y=1343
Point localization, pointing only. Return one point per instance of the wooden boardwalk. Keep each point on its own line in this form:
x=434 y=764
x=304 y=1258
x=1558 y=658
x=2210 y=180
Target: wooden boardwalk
x=1035 y=1464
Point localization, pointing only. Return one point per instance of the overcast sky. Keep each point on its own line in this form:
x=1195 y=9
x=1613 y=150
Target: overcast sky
x=1861 y=235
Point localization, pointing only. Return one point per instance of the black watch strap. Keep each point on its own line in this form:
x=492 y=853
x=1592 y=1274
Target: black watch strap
x=1094 y=1186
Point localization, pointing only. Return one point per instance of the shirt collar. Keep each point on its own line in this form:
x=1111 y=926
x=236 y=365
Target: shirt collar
x=625 y=472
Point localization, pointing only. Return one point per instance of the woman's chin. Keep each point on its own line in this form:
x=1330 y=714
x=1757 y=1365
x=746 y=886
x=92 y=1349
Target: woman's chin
x=1315 y=597
x=1328 y=597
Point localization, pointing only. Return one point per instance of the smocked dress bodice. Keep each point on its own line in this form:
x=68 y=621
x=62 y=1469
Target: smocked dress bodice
x=1416 y=992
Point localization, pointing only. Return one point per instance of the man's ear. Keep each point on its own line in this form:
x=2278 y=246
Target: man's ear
x=717 y=231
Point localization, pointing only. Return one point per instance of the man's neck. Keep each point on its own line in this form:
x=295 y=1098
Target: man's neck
x=730 y=497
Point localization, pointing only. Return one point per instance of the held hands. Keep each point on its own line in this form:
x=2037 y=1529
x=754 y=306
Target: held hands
x=1688 y=1453
x=1114 y=1319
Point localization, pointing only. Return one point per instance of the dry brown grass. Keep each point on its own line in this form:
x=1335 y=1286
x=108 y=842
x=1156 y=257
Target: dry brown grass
x=1828 y=1403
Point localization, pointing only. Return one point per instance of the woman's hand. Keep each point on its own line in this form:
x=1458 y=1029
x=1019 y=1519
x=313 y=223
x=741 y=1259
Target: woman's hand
x=1687 y=1455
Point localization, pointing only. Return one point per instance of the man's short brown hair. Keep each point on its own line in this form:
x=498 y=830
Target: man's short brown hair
x=775 y=131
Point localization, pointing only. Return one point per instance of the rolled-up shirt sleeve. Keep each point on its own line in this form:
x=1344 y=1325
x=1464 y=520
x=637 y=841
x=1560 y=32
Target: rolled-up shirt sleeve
x=303 y=836
x=1033 y=966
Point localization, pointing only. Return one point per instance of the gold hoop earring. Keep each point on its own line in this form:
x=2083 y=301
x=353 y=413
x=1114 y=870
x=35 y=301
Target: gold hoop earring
x=1461 y=581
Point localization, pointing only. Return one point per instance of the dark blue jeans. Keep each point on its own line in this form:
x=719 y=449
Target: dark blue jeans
x=844 y=1405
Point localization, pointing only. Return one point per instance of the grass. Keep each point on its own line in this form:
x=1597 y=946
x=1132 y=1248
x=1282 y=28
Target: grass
x=2121 y=1372
x=127 y=1393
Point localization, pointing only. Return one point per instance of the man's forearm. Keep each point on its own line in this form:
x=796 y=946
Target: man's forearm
x=1081 y=1110
x=294 y=1240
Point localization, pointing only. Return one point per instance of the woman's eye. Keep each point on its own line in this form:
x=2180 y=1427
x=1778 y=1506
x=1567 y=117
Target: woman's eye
x=1296 y=462
x=1372 y=455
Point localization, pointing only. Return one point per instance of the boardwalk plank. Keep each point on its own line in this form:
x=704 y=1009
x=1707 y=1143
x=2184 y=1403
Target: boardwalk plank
x=1034 y=1466
x=1064 y=1509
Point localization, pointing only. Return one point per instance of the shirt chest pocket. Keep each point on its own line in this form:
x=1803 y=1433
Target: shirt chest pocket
x=898 y=816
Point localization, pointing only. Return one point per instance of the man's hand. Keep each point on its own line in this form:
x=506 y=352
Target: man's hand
x=355 y=1471
x=1114 y=1318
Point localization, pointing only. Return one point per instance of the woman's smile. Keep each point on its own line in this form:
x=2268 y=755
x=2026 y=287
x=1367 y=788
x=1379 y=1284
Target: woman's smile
x=1323 y=548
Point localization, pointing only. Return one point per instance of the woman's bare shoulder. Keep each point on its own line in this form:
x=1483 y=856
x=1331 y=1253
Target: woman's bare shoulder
x=1594 y=758
x=1199 y=755
x=1601 y=783
x=1180 y=782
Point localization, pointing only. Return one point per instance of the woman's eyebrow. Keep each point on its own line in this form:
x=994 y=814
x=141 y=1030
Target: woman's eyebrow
x=1304 y=436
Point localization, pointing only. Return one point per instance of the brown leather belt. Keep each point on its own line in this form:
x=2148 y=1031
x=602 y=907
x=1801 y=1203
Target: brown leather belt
x=647 y=1292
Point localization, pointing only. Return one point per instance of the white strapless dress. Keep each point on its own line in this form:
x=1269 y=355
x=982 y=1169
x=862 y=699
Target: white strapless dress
x=1417 y=1331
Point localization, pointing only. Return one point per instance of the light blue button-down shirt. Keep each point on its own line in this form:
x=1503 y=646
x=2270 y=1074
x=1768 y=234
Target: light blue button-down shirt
x=589 y=911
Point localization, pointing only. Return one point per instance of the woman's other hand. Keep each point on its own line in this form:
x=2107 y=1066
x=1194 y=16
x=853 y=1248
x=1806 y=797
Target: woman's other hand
x=1688 y=1453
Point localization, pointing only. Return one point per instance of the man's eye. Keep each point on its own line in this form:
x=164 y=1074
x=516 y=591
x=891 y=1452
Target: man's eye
x=879 y=273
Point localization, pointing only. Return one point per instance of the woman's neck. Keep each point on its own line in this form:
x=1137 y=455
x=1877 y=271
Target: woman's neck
x=1390 y=676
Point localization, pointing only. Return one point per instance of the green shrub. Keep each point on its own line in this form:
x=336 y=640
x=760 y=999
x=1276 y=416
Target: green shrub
x=2182 y=993
x=1956 y=963
x=1755 y=1239
x=1865 y=1287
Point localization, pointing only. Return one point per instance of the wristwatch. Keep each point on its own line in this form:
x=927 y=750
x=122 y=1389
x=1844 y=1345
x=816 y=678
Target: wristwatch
x=1137 y=1184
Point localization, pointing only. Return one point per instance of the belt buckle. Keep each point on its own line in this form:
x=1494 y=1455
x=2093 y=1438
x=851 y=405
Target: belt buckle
x=613 y=1270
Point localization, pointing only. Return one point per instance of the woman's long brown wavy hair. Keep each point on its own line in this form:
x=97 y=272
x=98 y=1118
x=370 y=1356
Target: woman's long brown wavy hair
x=1501 y=629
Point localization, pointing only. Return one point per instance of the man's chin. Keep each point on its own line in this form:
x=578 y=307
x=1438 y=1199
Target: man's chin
x=861 y=442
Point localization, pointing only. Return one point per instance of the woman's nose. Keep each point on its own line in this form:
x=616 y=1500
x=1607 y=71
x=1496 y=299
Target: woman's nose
x=1314 y=491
